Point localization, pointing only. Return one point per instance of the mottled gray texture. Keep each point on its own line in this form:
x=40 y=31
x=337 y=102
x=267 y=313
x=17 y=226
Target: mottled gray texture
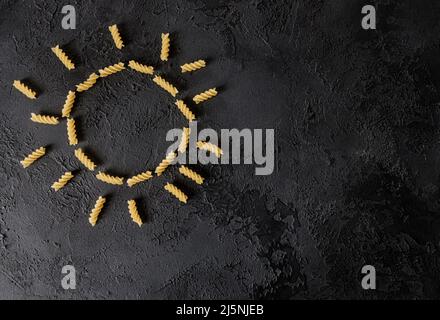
x=356 y=178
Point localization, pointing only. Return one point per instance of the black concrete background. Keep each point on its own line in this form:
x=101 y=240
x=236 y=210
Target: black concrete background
x=356 y=178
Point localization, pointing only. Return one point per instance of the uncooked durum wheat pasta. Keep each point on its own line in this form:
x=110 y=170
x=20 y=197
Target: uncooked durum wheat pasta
x=96 y=211
x=84 y=159
x=165 y=49
x=185 y=110
x=165 y=163
x=161 y=82
x=144 y=176
x=191 y=174
x=179 y=194
x=208 y=94
x=62 y=56
x=65 y=178
x=116 y=36
x=134 y=213
x=68 y=104
x=24 y=89
x=142 y=68
x=193 y=66
x=87 y=84
x=39 y=118
x=210 y=147
x=184 y=140
x=104 y=177
x=111 y=69
x=71 y=132
x=34 y=156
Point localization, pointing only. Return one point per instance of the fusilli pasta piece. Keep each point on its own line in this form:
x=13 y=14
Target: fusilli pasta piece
x=116 y=36
x=165 y=50
x=184 y=142
x=68 y=104
x=139 y=178
x=208 y=94
x=104 y=177
x=62 y=56
x=84 y=159
x=140 y=67
x=191 y=174
x=86 y=85
x=210 y=147
x=161 y=82
x=62 y=181
x=111 y=69
x=165 y=163
x=34 y=156
x=39 y=118
x=24 y=89
x=71 y=132
x=185 y=110
x=134 y=213
x=94 y=214
x=193 y=66
x=171 y=188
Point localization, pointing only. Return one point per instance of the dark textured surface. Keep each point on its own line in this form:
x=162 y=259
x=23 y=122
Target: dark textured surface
x=356 y=177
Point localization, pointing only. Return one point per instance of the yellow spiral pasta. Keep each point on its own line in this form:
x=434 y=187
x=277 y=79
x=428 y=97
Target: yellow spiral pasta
x=28 y=92
x=62 y=56
x=68 y=105
x=193 y=66
x=185 y=110
x=104 y=177
x=184 y=141
x=208 y=94
x=62 y=181
x=86 y=85
x=71 y=132
x=165 y=50
x=34 y=156
x=39 y=118
x=165 y=163
x=161 y=82
x=116 y=36
x=171 y=188
x=111 y=69
x=84 y=159
x=94 y=214
x=134 y=213
x=139 y=178
x=140 y=67
x=191 y=174
x=210 y=147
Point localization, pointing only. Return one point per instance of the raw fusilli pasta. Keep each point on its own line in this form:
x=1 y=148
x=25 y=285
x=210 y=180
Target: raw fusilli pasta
x=139 y=178
x=184 y=141
x=171 y=188
x=161 y=82
x=104 y=177
x=111 y=69
x=71 y=132
x=39 y=118
x=62 y=181
x=86 y=85
x=68 y=105
x=134 y=213
x=165 y=163
x=187 y=172
x=165 y=50
x=84 y=159
x=208 y=94
x=94 y=214
x=62 y=56
x=116 y=36
x=140 y=67
x=28 y=92
x=185 y=110
x=193 y=66
x=210 y=147
x=34 y=156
